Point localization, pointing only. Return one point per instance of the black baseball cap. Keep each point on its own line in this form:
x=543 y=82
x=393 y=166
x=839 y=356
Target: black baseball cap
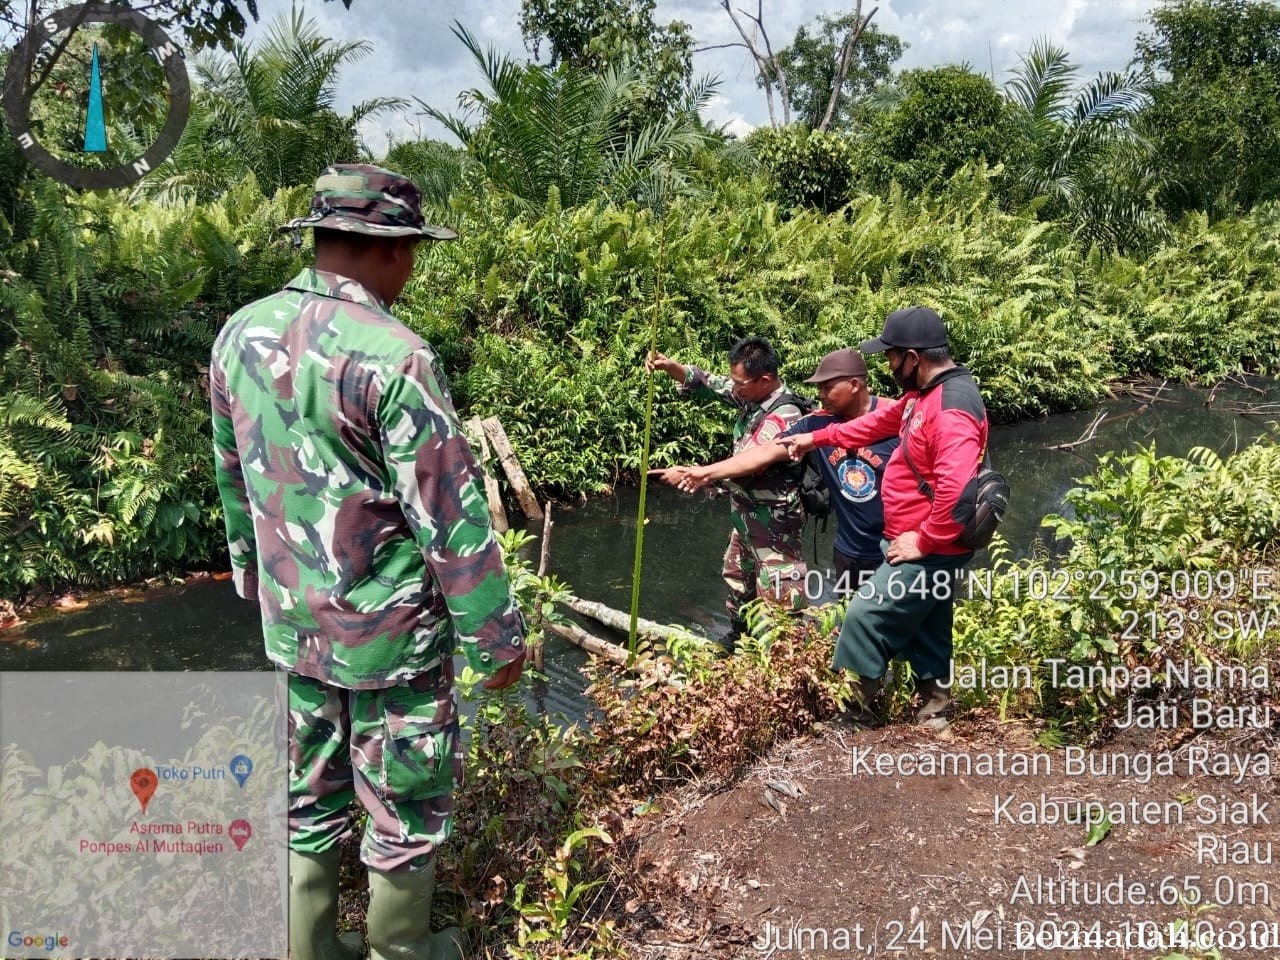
x=912 y=328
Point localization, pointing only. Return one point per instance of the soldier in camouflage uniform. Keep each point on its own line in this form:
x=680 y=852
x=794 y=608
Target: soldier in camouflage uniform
x=356 y=521
x=764 y=555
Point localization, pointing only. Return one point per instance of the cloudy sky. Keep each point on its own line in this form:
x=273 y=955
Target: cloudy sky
x=415 y=54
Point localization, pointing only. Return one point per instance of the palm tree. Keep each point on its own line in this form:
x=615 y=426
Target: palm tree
x=574 y=130
x=269 y=108
x=1082 y=152
x=202 y=166
x=438 y=168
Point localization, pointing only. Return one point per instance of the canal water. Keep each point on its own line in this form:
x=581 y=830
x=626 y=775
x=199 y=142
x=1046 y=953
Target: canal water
x=203 y=625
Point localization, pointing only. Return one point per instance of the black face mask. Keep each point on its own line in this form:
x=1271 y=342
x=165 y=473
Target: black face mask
x=906 y=382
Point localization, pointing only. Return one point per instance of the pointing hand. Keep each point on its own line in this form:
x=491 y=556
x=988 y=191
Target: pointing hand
x=798 y=445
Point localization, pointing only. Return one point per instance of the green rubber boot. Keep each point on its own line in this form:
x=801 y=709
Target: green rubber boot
x=313 y=909
x=399 y=919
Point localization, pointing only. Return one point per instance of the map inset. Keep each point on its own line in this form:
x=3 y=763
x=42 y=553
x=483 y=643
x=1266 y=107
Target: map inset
x=143 y=815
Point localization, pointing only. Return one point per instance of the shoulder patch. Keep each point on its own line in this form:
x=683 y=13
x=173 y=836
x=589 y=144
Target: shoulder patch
x=770 y=428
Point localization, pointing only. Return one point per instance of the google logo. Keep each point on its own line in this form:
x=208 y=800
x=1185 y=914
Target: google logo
x=49 y=941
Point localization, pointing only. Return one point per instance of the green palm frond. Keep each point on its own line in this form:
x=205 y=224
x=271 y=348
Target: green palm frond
x=884 y=97
x=1085 y=160
x=270 y=108
x=1042 y=84
x=535 y=129
x=1109 y=96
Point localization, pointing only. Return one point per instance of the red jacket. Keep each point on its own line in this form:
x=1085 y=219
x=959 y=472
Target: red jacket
x=944 y=428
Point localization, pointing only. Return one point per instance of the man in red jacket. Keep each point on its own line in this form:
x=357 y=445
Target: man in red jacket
x=906 y=607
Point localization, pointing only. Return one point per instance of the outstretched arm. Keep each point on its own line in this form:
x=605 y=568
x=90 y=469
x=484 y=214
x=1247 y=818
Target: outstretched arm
x=672 y=368
x=745 y=464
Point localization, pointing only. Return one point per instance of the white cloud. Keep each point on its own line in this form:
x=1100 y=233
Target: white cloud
x=416 y=54
x=721 y=115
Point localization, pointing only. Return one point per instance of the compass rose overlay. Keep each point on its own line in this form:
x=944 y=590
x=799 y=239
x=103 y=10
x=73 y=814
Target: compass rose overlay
x=17 y=96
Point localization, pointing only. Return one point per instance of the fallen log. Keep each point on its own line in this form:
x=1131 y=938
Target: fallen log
x=593 y=645
x=652 y=670
x=621 y=621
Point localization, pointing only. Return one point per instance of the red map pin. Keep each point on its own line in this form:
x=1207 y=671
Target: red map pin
x=239 y=831
x=143 y=783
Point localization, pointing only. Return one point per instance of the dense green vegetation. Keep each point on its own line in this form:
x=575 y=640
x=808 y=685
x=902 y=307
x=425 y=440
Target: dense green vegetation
x=1215 y=102
x=1073 y=234
x=1160 y=548
x=541 y=319
x=1030 y=222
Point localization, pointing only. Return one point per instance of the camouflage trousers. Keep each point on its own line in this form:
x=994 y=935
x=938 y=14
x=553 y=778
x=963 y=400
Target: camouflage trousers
x=764 y=557
x=396 y=750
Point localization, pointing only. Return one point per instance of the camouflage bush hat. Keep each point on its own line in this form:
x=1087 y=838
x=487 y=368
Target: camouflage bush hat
x=361 y=198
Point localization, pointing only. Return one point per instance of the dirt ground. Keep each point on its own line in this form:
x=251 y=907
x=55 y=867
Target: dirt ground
x=921 y=866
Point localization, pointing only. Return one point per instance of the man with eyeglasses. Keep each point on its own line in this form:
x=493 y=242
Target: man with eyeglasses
x=853 y=476
x=764 y=555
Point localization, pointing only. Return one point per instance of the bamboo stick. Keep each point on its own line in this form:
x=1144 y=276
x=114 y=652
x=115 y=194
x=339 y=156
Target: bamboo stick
x=497 y=513
x=507 y=456
x=544 y=558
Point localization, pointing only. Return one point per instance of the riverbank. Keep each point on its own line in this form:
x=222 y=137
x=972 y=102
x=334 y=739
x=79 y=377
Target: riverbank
x=863 y=861
x=1150 y=821
x=542 y=319
x=593 y=542
x=1171 y=567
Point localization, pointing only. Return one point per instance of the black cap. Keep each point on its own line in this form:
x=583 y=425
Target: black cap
x=912 y=328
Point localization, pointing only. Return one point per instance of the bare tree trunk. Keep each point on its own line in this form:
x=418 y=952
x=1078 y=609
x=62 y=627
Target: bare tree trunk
x=768 y=98
x=846 y=61
x=767 y=66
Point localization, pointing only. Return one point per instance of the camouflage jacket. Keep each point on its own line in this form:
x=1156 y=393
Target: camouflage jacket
x=353 y=503
x=778 y=485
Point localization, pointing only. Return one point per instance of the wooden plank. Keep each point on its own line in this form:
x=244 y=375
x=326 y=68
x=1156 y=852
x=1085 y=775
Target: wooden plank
x=544 y=556
x=507 y=456
x=497 y=512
